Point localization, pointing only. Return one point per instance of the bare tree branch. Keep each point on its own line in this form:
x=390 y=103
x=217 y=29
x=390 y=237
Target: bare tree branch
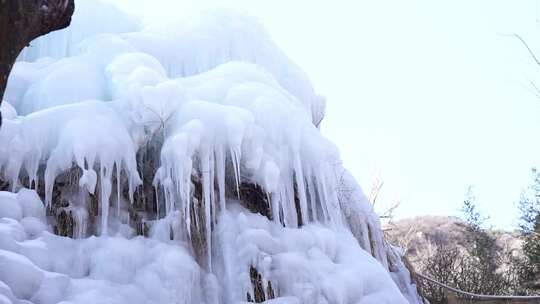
x=536 y=89
x=526 y=45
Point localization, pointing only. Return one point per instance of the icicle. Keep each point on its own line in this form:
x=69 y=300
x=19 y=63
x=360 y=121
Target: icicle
x=187 y=203
x=220 y=175
x=323 y=196
x=312 y=197
x=172 y=181
x=211 y=179
x=36 y=183
x=235 y=158
x=105 y=182
x=334 y=209
x=169 y=194
x=264 y=287
x=287 y=202
x=81 y=222
x=118 y=190
x=273 y=205
x=131 y=189
x=301 y=188
x=50 y=177
x=31 y=167
x=156 y=191
x=156 y=185
x=329 y=199
x=207 y=188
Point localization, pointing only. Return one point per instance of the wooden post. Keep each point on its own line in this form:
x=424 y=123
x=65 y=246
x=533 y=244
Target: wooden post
x=451 y=297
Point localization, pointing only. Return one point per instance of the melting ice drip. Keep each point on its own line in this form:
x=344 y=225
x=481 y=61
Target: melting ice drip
x=213 y=94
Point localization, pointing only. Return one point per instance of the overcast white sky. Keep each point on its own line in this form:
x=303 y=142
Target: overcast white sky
x=431 y=94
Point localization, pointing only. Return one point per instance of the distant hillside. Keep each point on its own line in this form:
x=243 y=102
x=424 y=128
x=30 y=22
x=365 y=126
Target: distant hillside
x=417 y=236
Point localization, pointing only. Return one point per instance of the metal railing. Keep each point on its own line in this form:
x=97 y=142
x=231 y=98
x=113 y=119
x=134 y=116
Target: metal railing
x=456 y=296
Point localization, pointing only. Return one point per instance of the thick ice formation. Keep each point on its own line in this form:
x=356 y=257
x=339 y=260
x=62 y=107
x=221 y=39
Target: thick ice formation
x=312 y=263
x=41 y=267
x=195 y=114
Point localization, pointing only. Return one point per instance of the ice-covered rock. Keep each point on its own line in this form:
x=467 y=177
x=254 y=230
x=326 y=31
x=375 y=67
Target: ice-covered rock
x=153 y=147
x=6 y=294
x=7 y=110
x=9 y=207
x=31 y=204
x=312 y=264
x=20 y=274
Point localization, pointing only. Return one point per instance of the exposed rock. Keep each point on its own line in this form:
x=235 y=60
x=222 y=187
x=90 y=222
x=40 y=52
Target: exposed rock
x=260 y=292
x=199 y=242
x=64 y=223
x=297 y=205
x=253 y=197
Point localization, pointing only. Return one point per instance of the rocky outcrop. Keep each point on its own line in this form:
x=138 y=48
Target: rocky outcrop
x=253 y=197
x=261 y=291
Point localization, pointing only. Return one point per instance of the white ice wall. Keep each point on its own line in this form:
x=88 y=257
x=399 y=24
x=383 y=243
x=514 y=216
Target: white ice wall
x=226 y=102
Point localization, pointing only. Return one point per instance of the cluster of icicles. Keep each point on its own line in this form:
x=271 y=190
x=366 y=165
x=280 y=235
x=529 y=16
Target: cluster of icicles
x=233 y=101
x=194 y=110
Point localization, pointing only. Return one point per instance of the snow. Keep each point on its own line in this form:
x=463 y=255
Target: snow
x=31 y=204
x=20 y=274
x=10 y=207
x=313 y=264
x=221 y=106
x=306 y=265
x=47 y=268
x=7 y=110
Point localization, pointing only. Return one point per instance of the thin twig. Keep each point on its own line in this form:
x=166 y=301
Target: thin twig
x=537 y=90
x=527 y=47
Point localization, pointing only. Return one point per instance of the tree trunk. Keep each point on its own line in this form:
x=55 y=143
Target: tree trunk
x=21 y=21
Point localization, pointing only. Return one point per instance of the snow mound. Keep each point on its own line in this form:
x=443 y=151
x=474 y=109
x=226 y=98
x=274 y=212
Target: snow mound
x=50 y=269
x=162 y=130
x=313 y=264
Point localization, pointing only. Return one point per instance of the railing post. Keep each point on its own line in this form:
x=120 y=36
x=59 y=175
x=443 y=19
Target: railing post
x=450 y=297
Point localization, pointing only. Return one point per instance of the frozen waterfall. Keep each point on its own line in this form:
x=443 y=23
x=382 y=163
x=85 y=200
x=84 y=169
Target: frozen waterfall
x=178 y=162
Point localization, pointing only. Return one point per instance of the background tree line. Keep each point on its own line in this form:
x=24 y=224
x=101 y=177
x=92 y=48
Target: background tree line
x=479 y=263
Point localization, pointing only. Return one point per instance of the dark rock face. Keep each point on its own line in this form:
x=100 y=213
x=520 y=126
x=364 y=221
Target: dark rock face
x=64 y=224
x=297 y=205
x=199 y=242
x=259 y=293
x=21 y=21
x=144 y=208
x=255 y=199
